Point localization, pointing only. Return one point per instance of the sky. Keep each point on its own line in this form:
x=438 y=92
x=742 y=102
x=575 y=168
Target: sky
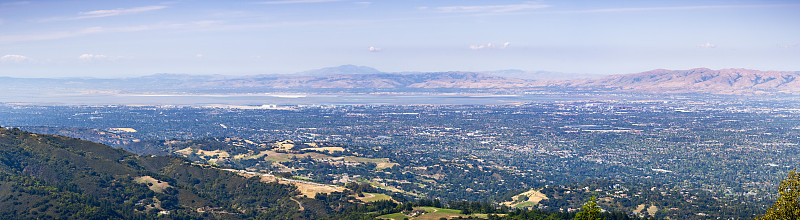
x=113 y=39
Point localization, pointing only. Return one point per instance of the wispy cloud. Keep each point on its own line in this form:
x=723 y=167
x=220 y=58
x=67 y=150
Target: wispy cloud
x=17 y=3
x=489 y=8
x=674 y=8
x=108 y=13
x=374 y=49
x=100 y=30
x=124 y=11
x=14 y=58
x=286 y=2
x=489 y=46
x=90 y=57
x=205 y=25
x=707 y=45
x=96 y=57
x=49 y=36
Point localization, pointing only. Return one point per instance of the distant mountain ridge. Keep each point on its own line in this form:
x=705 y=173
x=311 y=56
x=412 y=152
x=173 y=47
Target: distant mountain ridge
x=342 y=70
x=700 y=80
x=462 y=80
x=353 y=78
x=540 y=75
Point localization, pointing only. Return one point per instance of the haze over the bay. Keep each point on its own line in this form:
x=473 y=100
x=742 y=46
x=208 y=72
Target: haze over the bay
x=135 y=38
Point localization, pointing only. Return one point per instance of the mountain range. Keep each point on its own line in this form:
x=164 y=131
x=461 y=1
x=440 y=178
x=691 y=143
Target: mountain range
x=701 y=80
x=361 y=78
x=459 y=80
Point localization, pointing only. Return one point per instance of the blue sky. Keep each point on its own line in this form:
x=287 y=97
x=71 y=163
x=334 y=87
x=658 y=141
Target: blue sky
x=134 y=38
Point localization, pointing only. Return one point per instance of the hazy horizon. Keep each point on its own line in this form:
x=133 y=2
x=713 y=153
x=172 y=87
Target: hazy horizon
x=301 y=73
x=88 y=38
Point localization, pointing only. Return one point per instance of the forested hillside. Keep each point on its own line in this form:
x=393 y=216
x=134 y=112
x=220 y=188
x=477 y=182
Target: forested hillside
x=52 y=176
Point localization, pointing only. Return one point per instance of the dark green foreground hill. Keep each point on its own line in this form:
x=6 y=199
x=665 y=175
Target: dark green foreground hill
x=46 y=176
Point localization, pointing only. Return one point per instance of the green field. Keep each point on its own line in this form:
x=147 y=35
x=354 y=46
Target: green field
x=371 y=197
x=432 y=213
x=525 y=204
x=381 y=163
x=439 y=210
x=301 y=178
x=395 y=216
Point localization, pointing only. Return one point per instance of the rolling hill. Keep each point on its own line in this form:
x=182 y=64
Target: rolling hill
x=47 y=176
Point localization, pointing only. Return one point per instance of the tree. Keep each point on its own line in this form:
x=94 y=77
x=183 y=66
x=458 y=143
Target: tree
x=788 y=205
x=589 y=211
x=409 y=206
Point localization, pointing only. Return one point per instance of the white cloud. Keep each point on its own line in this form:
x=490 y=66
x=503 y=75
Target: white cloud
x=13 y=58
x=199 y=55
x=707 y=45
x=121 y=11
x=490 y=8
x=286 y=2
x=108 y=13
x=94 y=57
x=786 y=46
x=489 y=46
x=374 y=49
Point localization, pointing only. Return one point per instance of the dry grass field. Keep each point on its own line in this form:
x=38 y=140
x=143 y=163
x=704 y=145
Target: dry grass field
x=157 y=185
x=534 y=197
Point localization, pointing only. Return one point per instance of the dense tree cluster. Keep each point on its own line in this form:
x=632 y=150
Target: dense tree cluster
x=788 y=204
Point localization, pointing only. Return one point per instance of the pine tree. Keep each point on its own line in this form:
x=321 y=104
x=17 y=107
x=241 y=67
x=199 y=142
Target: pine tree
x=788 y=205
x=589 y=211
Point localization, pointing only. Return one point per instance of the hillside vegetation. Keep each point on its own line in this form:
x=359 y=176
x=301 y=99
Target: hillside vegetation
x=45 y=176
